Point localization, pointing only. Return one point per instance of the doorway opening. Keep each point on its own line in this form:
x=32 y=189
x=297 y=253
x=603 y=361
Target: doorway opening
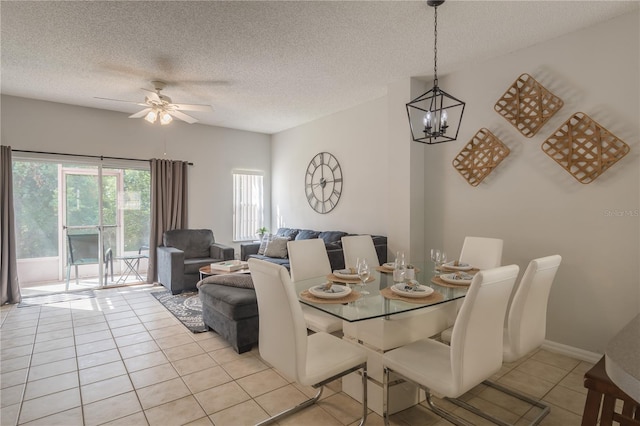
x=80 y=224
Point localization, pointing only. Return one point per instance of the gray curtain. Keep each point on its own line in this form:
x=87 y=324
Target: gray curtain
x=168 y=204
x=8 y=266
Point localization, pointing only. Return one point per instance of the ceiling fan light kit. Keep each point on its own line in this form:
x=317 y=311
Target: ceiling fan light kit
x=160 y=108
x=435 y=116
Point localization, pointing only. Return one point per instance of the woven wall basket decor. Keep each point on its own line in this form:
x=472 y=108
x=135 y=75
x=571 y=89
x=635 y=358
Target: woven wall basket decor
x=584 y=148
x=480 y=156
x=527 y=105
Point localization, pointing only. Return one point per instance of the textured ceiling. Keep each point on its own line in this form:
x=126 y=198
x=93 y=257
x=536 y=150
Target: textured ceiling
x=264 y=66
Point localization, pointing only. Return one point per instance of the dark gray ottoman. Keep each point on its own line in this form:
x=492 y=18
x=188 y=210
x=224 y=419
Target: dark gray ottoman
x=230 y=308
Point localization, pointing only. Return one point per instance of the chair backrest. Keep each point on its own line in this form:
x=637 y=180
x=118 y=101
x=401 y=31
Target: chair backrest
x=476 y=340
x=195 y=243
x=527 y=315
x=282 y=338
x=83 y=249
x=481 y=252
x=359 y=246
x=308 y=259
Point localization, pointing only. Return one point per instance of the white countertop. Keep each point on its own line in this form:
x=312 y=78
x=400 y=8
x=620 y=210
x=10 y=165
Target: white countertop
x=622 y=359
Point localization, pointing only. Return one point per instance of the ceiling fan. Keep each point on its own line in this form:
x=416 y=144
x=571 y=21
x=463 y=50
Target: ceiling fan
x=158 y=107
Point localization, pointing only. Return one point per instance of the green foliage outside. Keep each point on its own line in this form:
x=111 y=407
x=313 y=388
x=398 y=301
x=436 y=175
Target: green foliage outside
x=36 y=190
x=35 y=200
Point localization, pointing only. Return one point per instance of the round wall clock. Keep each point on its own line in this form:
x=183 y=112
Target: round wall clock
x=323 y=182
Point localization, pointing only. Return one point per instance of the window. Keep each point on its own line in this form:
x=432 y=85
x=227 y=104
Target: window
x=248 y=206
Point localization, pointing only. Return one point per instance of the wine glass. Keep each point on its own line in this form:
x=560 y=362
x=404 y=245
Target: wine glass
x=443 y=258
x=400 y=268
x=435 y=258
x=364 y=273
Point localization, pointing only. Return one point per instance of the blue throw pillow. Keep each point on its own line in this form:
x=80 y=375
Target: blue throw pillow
x=307 y=234
x=331 y=236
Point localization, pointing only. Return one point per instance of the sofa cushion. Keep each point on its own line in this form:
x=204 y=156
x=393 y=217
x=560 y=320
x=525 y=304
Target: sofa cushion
x=307 y=234
x=232 y=302
x=277 y=248
x=331 y=236
x=278 y=261
x=337 y=245
x=193 y=242
x=265 y=240
x=287 y=233
x=240 y=280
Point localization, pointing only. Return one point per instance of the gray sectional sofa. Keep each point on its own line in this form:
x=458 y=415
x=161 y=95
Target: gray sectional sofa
x=332 y=240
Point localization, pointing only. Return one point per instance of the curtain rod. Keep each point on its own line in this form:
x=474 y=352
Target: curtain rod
x=101 y=157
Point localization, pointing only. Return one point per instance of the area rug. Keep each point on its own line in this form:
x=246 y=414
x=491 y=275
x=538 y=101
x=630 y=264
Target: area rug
x=187 y=307
x=46 y=299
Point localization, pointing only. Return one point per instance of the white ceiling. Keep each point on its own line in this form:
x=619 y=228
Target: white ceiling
x=264 y=66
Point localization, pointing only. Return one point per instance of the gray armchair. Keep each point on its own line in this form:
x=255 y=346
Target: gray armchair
x=183 y=252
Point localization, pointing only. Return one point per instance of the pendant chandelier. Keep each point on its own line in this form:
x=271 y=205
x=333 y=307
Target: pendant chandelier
x=435 y=116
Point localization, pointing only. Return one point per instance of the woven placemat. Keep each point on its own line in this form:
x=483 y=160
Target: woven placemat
x=336 y=279
x=387 y=293
x=390 y=271
x=438 y=280
x=471 y=271
x=351 y=297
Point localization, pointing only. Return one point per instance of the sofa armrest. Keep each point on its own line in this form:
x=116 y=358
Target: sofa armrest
x=248 y=248
x=170 y=268
x=221 y=251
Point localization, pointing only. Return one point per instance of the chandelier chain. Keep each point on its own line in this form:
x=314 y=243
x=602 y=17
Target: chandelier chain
x=435 y=46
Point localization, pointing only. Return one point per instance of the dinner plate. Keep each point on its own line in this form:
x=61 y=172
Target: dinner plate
x=459 y=267
x=335 y=292
x=457 y=278
x=346 y=273
x=390 y=265
x=407 y=291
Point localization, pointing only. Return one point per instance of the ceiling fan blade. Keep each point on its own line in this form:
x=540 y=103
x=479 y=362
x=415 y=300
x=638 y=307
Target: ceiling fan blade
x=141 y=114
x=193 y=107
x=153 y=96
x=117 y=100
x=182 y=116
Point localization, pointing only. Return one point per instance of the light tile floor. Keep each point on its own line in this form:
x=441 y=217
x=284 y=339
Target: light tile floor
x=122 y=359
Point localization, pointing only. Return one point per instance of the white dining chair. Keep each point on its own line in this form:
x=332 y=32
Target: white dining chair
x=309 y=259
x=482 y=252
x=475 y=352
x=359 y=246
x=310 y=360
x=526 y=322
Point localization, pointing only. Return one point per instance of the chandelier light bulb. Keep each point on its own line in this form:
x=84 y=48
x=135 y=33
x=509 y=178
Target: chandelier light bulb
x=427 y=120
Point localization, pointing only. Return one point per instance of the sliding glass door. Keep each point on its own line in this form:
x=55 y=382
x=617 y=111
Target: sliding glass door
x=102 y=208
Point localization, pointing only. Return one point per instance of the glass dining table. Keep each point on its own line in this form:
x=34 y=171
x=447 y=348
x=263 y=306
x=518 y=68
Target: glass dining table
x=375 y=304
x=377 y=321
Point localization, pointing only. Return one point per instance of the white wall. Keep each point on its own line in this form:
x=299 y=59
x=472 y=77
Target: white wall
x=534 y=204
x=214 y=151
x=529 y=200
x=357 y=138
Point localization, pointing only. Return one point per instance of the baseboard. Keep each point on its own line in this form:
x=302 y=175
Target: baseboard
x=577 y=353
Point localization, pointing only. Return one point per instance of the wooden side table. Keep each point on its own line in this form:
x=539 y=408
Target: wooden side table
x=602 y=397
